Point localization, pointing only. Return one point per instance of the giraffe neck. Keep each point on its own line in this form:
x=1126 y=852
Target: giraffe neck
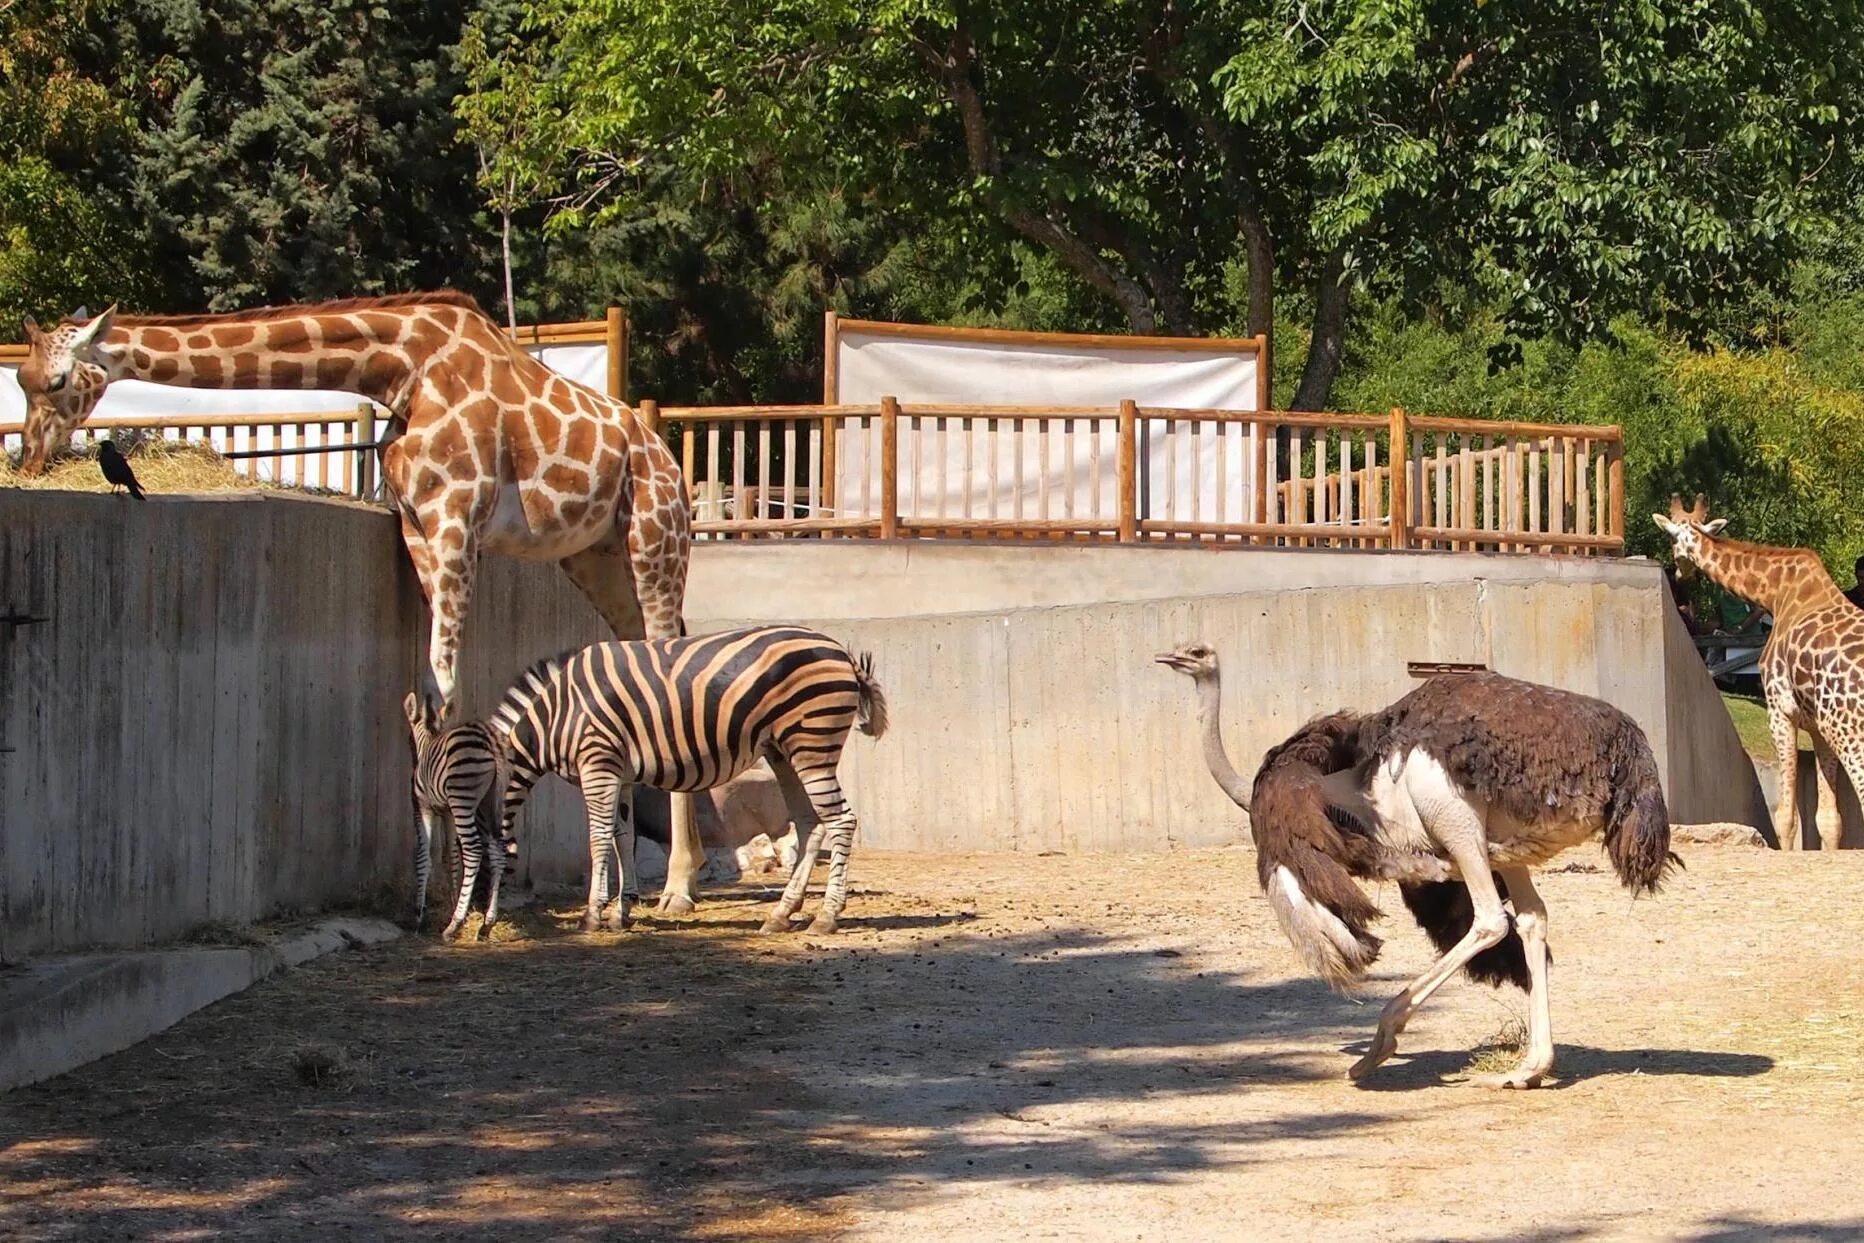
x=371 y=353
x=1787 y=582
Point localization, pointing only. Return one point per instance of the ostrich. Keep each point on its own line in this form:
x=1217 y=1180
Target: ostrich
x=1455 y=792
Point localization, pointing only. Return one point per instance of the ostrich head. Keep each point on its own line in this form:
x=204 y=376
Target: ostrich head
x=1196 y=660
x=63 y=379
x=1689 y=529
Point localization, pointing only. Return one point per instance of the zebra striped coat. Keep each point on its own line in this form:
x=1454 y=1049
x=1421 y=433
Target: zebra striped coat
x=459 y=773
x=688 y=714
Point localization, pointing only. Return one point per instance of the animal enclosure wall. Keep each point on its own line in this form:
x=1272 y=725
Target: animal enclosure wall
x=206 y=723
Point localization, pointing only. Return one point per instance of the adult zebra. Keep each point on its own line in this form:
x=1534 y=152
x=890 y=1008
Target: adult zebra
x=688 y=714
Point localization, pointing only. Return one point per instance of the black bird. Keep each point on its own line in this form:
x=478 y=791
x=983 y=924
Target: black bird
x=116 y=469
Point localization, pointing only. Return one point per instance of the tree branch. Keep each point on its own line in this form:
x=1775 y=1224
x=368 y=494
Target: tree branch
x=953 y=65
x=1327 y=348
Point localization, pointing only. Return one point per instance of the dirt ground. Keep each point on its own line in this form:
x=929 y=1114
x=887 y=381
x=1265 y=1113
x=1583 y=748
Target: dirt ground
x=994 y=1048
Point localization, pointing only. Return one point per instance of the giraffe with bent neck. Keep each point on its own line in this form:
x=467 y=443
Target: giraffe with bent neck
x=1812 y=667
x=496 y=452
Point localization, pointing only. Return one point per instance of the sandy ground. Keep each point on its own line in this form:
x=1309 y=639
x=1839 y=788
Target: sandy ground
x=995 y=1048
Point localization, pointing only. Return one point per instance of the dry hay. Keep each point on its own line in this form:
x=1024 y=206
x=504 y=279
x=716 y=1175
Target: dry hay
x=160 y=466
x=1500 y=1052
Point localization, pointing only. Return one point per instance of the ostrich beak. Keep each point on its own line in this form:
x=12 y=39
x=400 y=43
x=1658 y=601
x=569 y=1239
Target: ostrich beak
x=1170 y=659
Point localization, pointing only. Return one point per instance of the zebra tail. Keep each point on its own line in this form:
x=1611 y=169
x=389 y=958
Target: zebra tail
x=870 y=710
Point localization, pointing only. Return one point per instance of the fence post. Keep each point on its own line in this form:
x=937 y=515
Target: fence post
x=1400 y=459
x=889 y=468
x=1127 y=491
x=1616 y=469
x=617 y=341
x=649 y=412
x=366 y=459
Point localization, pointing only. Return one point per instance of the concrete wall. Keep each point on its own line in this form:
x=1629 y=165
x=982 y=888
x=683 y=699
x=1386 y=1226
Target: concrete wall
x=208 y=728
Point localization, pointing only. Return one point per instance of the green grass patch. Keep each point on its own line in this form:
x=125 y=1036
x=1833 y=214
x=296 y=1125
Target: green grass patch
x=1750 y=717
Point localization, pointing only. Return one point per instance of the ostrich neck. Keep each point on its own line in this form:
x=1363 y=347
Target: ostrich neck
x=1209 y=711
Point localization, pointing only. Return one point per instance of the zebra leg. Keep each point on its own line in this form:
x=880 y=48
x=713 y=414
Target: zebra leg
x=624 y=858
x=835 y=896
x=470 y=847
x=423 y=863
x=600 y=790
x=792 y=898
x=495 y=859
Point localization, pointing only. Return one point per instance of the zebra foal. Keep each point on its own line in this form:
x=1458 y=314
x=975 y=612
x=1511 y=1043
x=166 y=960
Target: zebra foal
x=460 y=773
x=687 y=714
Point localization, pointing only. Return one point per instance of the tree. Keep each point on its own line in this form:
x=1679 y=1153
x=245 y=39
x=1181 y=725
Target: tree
x=503 y=115
x=1569 y=160
x=307 y=152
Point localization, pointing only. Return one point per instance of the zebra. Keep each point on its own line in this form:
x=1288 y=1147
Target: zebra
x=688 y=714
x=460 y=773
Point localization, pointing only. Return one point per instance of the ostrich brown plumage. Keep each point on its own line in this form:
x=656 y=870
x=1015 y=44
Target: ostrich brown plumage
x=1455 y=792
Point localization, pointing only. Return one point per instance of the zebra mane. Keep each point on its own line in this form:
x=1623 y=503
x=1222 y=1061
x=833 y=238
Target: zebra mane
x=533 y=682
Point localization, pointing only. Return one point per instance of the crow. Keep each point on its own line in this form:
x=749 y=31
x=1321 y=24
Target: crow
x=116 y=469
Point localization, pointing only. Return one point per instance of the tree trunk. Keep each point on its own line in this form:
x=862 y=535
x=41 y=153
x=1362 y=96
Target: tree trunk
x=1327 y=347
x=511 y=302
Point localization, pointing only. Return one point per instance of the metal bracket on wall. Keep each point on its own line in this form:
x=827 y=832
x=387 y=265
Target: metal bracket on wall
x=1431 y=668
x=13 y=619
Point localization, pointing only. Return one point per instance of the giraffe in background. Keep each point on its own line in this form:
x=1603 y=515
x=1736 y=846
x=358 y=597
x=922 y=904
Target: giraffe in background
x=1812 y=667
x=496 y=452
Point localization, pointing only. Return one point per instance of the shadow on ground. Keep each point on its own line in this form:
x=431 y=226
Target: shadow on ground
x=676 y=1082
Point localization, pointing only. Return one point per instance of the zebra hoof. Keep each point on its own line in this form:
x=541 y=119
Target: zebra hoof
x=591 y=922
x=823 y=925
x=450 y=933
x=618 y=920
x=776 y=923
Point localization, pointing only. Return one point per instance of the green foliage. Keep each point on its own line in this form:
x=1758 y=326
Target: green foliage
x=1776 y=447
x=307 y=152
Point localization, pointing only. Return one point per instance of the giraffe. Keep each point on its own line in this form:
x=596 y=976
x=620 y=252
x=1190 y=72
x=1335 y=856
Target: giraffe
x=1812 y=667
x=495 y=452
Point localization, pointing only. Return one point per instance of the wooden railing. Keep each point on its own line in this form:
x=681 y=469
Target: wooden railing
x=1146 y=474
x=1102 y=474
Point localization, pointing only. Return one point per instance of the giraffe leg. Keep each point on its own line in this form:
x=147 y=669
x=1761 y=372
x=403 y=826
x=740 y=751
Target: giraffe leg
x=1827 y=818
x=1786 y=751
x=1853 y=758
x=446 y=575
x=1457 y=828
x=1530 y=920
x=606 y=577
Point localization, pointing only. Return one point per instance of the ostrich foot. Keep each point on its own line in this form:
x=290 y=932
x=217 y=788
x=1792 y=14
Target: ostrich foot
x=823 y=924
x=1527 y=1075
x=777 y=922
x=1384 y=1044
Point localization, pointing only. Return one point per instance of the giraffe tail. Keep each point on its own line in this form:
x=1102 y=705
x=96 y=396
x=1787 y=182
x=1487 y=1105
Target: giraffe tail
x=870 y=710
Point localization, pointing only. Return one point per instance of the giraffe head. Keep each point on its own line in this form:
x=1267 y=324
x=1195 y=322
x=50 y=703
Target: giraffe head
x=1690 y=530
x=63 y=379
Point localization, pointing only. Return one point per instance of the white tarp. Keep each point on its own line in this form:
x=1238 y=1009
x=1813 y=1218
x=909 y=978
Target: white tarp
x=1077 y=467
x=128 y=402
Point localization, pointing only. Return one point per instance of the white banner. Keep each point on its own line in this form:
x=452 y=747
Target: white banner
x=948 y=471
x=130 y=402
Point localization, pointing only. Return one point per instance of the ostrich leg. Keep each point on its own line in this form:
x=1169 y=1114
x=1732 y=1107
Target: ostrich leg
x=1786 y=751
x=1530 y=920
x=605 y=575
x=1457 y=829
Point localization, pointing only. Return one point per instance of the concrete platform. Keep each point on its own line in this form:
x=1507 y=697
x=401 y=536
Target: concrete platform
x=56 y=1014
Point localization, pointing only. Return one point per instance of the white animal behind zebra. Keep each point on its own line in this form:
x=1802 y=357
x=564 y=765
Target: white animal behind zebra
x=685 y=715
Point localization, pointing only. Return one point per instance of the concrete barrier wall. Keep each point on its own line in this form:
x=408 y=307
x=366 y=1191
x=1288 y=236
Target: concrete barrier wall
x=208 y=727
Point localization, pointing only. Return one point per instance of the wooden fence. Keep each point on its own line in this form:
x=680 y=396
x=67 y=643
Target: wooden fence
x=1143 y=474
x=1125 y=474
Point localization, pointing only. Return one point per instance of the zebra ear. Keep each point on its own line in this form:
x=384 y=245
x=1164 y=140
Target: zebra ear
x=415 y=708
